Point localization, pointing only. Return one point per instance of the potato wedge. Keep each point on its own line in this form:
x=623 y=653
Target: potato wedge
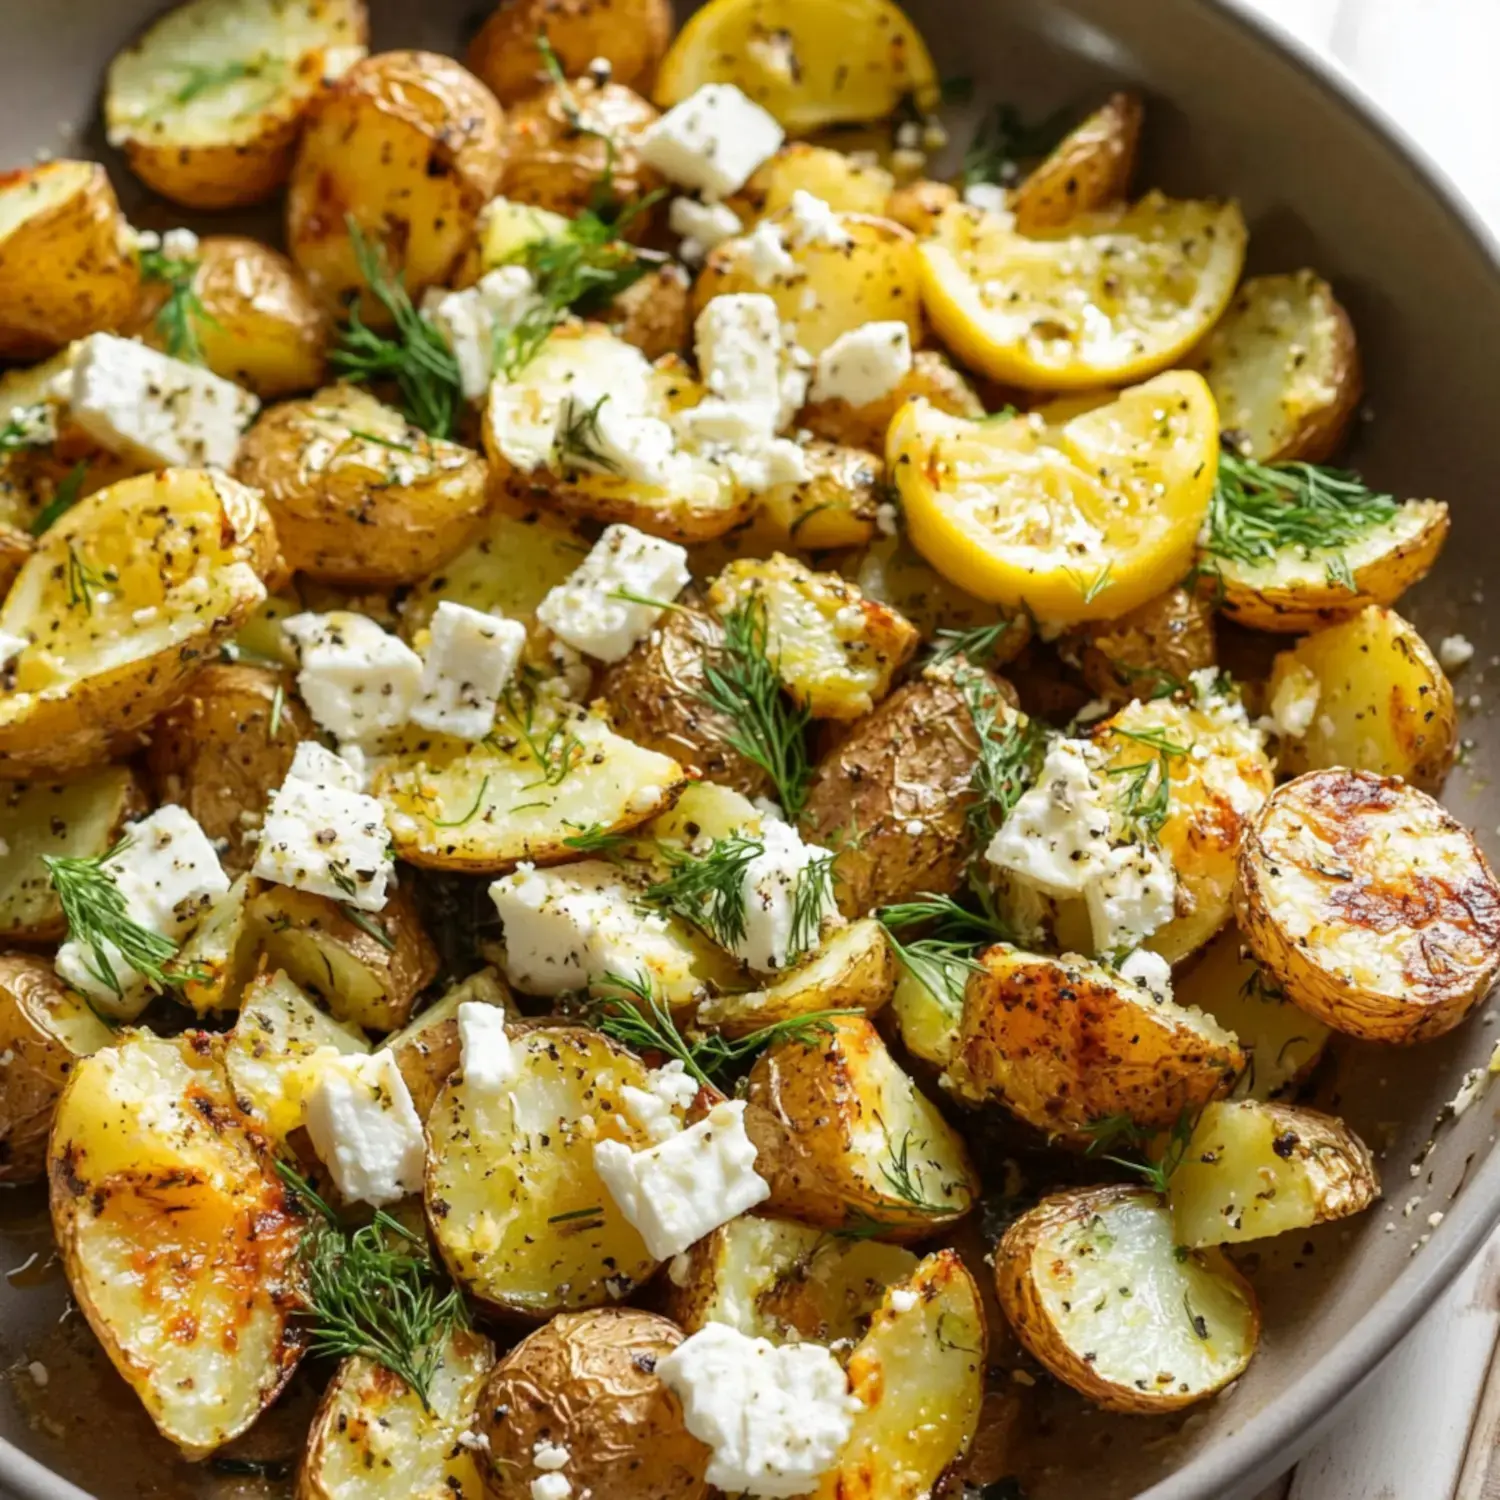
x=409 y=146
x=1089 y=170
x=919 y=1373
x=891 y=570
x=508 y=1173
x=373 y=1439
x=1251 y=1170
x=846 y=184
x=188 y=546
x=932 y=377
x=219 y=957
x=1063 y=1043
x=1371 y=907
x=65 y=263
x=1284 y=367
x=427 y=1048
x=163 y=1197
x=1376 y=699
x=360 y=497
x=810 y=1115
x=835 y=506
x=1148 y=652
x=1093 y=1284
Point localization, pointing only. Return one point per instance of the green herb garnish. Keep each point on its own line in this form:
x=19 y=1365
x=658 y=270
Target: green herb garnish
x=1112 y=1132
x=64 y=498
x=708 y=890
x=181 y=315
x=1011 y=747
x=1004 y=143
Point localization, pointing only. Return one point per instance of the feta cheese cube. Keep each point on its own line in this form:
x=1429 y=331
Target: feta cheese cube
x=550 y=1457
x=676 y=1192
x=365 y=1129
x=322 y=768
x=864 y=364
x=593 y=611
x=357 y=680
x=473 y=320
x=551 y=1487
x=1294 y=704
x=771 y=885
x=744 y=360
x=154 y=409
x=766 y=255
x=701 y=226
x=322 y=838
x=814 y=222
x=486 y=1056
x=669 y=1091
x=712 y=141
x=775 y=1416
x=470 y=658
x=1149 y=970
x=180 y=244
x=598 y=435
x=1057 y=835
x=1133 y=892
x=1455 y=651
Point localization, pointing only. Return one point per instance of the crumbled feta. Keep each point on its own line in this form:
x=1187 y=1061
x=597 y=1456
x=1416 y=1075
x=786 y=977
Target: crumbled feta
x=712 y=141
x=702 y=225
x=160 y=411
x=596 y=434
x=34 y=426
x=990 y=198
x=775 y=1416
x=771 y=882
x=357 y=680
x=864 y=364
x=364 y=1127
x=1455 y=651
x=766 y=255
x=1294 y=704
x=903 y=1299
x=551 y=1487
x=669 y=1091
x=470 y=658
x=486 y=1056
x=591 y=611
x=683 y=1188
x=320 y=767
x=743 y=359
x=473 y=320
x=180 y=244
x=1149 y=970
x=814 y=222
x=550 y=1457
x=1057 y=835
x=1133 y=893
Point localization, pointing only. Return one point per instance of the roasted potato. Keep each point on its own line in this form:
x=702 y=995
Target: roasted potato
x=1090 y=169
x=835 y=506
x=1063 y=1043
x=845 y=184
x=361 y=498
x=655 y=313
x=1094 y=1284
x=782 y=1281
x=1366 y=694
x=1148 y=652
x=1284 y=369
x=919 y=205
x=587 y=1384
x=812 y=1107
x=927 y=1004
x=932 y=378
x=509 y=1173
x=1371 y=907
x=163 y=1198
x=366 y=967
x=79 y=818
x=408 y=147
x=218 y=959
x=1251 y=1170
x=375 y=1439
x=123 y=599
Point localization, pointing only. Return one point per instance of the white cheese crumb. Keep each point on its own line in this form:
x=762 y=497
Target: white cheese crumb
x=550 y=1457
x=471 y=321
x=771 y=881
x=357 y=680
x=550 y=1487
x=365 y=1129
x=766 y=255
x=1455 y=651
x=814 y=222
x=1057 y=835
x=669 y=1091
x=990 y=198
x=702 y=225
x=1149 y=970
x=712 y=141
x=1294 y=704
x=903 y=1299
x=38 y=1372
x=486 y=1056
x=469 y=660
x=864 y=364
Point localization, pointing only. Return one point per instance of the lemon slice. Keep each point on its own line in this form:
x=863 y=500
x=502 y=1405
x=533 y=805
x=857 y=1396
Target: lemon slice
x=1110 y=298
x=811 y=63
x=1076 y=516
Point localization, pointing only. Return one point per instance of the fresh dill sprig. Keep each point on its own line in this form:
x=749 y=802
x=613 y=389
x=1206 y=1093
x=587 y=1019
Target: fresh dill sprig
x=369 y=926
x=1091 y=587
x=1154 y=739
x=203 y=78
x=708 y=890
x=181 y=315
x=905 y=1181
x=1010 y=750
x=975 y=645
x=467 y=817
x=556 y=750
x=1004 y=143
x=28 y=427
x=82 y=580
x=811 y=898
x=579 y=437
x=64 y=498
x=1113 y=1132
x=595 y=839
x=943 y=958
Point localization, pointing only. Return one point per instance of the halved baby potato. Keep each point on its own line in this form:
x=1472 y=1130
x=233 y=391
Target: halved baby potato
x=846 y=185
x=179 y=1238
x=219 y=957
x=1087 y=171
x=1102 y=300
x=929 y=1010
x=1148 y=652
x=1096 y=1286
x=1371 y=907
x=835 y=506
x=932 y=377
x=1251 y=1170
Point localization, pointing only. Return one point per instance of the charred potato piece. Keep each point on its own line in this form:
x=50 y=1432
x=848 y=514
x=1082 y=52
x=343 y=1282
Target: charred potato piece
x=1251 y=1170
x=835 y=506
x=847 y=185
x=932 y=378
x=1148 y=652
x=1093 y=1283
x=1371 y=907
x=655 y=313
x=1090 y=169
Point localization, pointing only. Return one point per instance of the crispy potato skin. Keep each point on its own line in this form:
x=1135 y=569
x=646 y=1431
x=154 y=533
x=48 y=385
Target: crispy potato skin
x=1402 y=940
x=1149 y=650
x=655 y=314
x=1090 y=169
x=918 y=205
x=932 y=377
x=587 y=1382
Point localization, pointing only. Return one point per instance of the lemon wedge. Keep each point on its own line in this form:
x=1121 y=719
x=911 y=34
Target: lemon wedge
x=1074 y=515
x=810 y=63
x=1107 y=299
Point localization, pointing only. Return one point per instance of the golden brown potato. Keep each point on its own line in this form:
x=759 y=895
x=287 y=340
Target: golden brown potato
x=1148 y=652
x=215 y=754
x=631 y=35
x=218 y=959
x=1366 y=694
x=1063 y=1043
x=656 y=314
x=65 y=265
x=360 y=496
x=812 y=1107
x=1371 y=907
x=410 y=146
x=918 y=205
x=1090 y=169
x=587 y=1383
x=932 y=378
x=1093 y=1283
x=847 y=185
x=835 y=506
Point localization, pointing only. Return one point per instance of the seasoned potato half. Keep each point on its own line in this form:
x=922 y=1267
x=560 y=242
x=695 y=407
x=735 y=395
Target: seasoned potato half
x=631 y=37
x=587 y=1383
x=1149 y=651
x=80 y=818
x=1090 y=169
x=373 y=1439
x=835 y=506
x=919 y=1374
x=778 y=1280
x=932 y=377
x=812 y=1109
x=927 y=1004
x=1369 y=695
x=846 y=185
x=45 y=1029
x=655 y=314
x=1094 y=1285
x=427 y=1049
x=409 y=146
x=919 y=205
x=161 y=1197
x=208 y=101
x=121 y=602
x=65 y=264
x=1371 y=907
x=1284 y=368
x=502 y=1167
x=868 y=275
x=218 y=960
x=1063 y=1042
x=1251 y=1170
x=361 y=498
